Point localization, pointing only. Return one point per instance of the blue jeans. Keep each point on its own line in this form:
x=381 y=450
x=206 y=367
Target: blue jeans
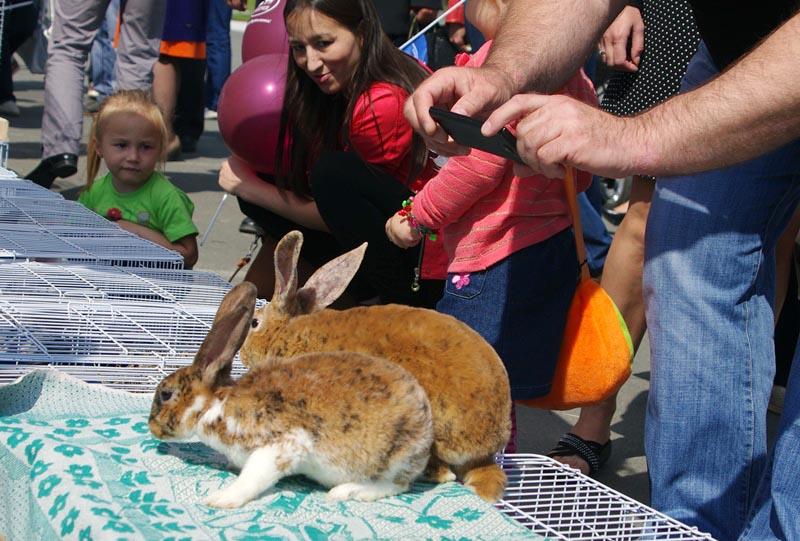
x=595 y=234
x=519 y=305
x=218 y=50
x=103 y=56
x=709 y=285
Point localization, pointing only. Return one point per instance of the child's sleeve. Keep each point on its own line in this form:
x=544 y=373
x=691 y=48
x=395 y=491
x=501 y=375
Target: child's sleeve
x=176 y=216
x=462 y=182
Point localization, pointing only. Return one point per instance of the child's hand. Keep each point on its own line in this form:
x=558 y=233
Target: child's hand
x=401 y=233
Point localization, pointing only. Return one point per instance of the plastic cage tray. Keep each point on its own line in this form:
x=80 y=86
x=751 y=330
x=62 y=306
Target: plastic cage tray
x=16 y=187
x=559 y=502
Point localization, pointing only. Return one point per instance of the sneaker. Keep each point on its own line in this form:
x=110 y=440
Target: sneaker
x=9 y=108
x=92 y=93
x=210 y=114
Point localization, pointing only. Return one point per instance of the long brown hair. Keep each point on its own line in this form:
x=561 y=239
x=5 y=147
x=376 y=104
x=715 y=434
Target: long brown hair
x=124 y=101
x=315 y=121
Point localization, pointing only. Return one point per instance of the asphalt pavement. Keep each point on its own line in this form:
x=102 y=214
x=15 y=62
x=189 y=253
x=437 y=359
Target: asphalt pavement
x=196 y=174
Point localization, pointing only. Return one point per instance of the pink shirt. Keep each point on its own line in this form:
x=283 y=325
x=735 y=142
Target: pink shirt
x=483 y=212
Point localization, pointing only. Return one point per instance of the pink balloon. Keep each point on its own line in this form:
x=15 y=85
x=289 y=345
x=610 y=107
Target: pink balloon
x=249 y=110
x=266 y=32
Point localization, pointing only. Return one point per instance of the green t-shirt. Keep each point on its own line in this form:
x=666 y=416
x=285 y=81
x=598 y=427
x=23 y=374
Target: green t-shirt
x=158 y=204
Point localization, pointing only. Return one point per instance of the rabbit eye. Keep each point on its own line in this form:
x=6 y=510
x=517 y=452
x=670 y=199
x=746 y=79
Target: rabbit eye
x=165 y=395
x=254 y=323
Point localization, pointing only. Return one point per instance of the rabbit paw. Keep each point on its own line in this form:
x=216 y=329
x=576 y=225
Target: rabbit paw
x=227 y=498
x=365 y=492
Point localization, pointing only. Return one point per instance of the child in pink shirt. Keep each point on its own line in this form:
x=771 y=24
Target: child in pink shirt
x=512 y=268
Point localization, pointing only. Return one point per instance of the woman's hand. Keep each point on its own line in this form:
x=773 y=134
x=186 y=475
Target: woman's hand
x=628 y=27
x=235 y=177
x=401 y=233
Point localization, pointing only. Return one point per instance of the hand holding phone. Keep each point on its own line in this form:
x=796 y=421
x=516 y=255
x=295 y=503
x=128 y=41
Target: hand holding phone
x=466 y=131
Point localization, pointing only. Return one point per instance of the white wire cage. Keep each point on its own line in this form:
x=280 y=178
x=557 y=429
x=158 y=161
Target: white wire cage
x=11 y=186
x=559 y=502
x=125 y=345
x=59 y=244
x=64 y=283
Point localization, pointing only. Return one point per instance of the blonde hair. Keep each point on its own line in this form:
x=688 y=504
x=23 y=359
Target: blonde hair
x=124 y=101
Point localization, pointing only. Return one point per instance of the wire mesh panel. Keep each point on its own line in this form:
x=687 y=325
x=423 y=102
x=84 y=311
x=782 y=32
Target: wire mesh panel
x=58 y=244
x=52 y=212
x=10 y=186
x=124 y=345
x=75 y=282
x=559 y=502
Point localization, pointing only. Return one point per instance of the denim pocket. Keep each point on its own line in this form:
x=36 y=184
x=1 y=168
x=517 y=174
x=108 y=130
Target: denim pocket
x=465 y=285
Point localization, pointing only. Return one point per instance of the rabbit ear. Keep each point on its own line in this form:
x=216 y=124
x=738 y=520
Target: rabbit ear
x=226 y=336
x=287 y=254
x=329 y=281
x=243 y=294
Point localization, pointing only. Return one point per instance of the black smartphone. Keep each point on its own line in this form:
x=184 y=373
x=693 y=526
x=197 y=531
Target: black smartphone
x=466 y=131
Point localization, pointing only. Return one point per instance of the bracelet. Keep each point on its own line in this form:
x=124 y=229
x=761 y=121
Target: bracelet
x=406 y=213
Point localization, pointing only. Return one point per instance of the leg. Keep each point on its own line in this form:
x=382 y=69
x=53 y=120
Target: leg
x=218 y=47
x=19 y=25
x=140 y=36
x=259 y=473
x=103 y=55
x=355 y=202
x=166 y=80
x=622 y=279
x=438 y=471
x=709 y=287
x=774 y=512
x=74 y=27
x=367 y=491
x=189 y=107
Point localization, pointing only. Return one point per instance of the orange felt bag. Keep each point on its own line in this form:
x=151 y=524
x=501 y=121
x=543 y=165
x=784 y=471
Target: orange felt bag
x=596 y=350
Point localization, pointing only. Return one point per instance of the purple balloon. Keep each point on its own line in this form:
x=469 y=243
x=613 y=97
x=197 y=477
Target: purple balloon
x=266 y=31
x=249 y=110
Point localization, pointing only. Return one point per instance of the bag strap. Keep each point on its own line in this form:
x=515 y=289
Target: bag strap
x=572 y=201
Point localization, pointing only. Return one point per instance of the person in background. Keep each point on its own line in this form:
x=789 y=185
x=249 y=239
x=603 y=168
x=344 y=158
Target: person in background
x=129 y=135
x=102 y=60
x=179 y=73
x=21 y=18
x=75 y=24
x=396 y=16
x=218 y=53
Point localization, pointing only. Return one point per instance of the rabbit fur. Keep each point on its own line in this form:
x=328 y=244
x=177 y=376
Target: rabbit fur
x=357 y=423
x=463 y=376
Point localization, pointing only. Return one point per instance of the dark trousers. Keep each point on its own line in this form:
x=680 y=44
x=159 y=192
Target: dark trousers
x=355 y=200
x=190 y=105
x=18 y=27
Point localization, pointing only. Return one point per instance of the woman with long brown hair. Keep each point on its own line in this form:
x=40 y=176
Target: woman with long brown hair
x=350 y=158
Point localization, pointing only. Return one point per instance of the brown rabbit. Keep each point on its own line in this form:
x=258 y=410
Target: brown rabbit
x=465 y=379
x=357 y=423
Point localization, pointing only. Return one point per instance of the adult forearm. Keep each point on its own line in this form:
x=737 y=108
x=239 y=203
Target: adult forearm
x=299 y=210
x=541 y=43
x=749 y=110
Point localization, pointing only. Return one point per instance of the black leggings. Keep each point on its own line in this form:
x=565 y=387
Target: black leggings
x=355 y=200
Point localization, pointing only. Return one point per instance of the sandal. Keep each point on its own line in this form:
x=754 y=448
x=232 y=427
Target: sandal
x=595 y=454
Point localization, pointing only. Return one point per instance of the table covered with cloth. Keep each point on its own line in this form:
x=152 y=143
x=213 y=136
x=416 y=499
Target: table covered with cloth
x=77 y=461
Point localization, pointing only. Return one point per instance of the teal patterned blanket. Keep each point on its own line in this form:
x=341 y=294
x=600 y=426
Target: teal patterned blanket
x=77 y=462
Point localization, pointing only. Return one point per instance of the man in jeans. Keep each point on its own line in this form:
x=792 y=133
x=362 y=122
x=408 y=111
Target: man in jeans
x=727 y=155
x=75 y=23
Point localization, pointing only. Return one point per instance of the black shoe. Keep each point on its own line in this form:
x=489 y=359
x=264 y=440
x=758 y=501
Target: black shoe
x=250 y=227
x=49 y=169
